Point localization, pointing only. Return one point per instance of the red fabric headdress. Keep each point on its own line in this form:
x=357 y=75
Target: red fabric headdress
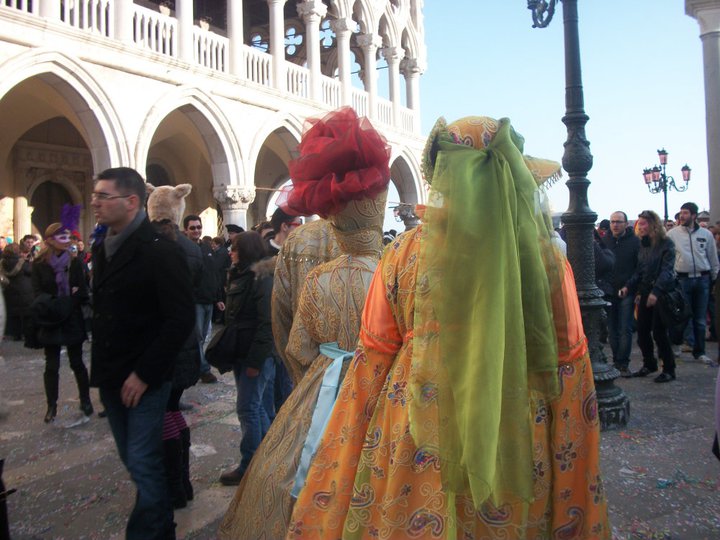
x=342 y=158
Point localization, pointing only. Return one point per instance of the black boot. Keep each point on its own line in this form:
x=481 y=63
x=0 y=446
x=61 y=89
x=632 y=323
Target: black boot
x=173 y=470
x=185 y=446
x=83 y=384
x=50 y=378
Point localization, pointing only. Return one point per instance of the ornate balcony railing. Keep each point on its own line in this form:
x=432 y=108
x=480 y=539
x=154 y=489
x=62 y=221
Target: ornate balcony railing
x=160 y=33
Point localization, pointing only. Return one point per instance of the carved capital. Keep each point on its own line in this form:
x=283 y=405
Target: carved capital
x=340 y=26
x=367 y=41
x=312 y=11
x=393 y=54
x=234 y=197
x=409 y=67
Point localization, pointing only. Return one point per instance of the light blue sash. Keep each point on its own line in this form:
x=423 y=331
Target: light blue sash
x=323 y=409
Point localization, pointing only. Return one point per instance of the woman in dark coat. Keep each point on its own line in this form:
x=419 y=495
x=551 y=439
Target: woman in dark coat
x=654 y=275
x=57 y=277
x=249 y=292
x=19 y=292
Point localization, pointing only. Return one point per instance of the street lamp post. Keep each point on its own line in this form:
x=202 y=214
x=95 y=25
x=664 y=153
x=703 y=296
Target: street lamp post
x=658 y=182
x=579 y=220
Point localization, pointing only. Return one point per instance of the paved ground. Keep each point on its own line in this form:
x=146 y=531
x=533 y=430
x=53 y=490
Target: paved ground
x=662 y=481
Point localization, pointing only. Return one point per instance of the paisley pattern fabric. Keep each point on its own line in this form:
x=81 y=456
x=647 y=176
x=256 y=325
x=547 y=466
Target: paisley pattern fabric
x=369 y=480
x=329 y=309
x=305 y=248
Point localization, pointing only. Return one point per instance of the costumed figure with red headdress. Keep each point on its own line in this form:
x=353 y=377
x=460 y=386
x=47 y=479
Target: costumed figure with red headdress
x=469 y=409
x=342 y=174
x=60 y=290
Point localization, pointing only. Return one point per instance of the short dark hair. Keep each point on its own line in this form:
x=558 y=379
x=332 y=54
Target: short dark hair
x=190 y=217
x=620 y=212
x=690 y=206
x=278 y=218
x=128 y=181
x=249 y=247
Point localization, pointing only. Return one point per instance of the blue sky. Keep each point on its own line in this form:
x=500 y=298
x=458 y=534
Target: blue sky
x=642 y=77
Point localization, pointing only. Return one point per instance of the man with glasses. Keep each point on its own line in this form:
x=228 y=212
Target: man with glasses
x=626 y=246
x=142 y=313
x=207 y=294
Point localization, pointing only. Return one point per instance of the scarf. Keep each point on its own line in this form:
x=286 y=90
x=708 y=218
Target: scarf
x=60 y=264
x=113 y=241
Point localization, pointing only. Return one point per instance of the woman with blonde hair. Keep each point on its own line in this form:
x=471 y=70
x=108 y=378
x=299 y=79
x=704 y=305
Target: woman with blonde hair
x=653 y=276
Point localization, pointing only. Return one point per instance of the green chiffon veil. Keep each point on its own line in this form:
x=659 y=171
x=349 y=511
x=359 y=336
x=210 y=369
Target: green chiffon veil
x=484 y=332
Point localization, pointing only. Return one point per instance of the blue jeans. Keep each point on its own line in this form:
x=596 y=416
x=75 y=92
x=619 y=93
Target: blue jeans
x=697 y=292
x=138 y=436
x=254 y=396
x=283 y=384
x=203 y=320
x=620 y=318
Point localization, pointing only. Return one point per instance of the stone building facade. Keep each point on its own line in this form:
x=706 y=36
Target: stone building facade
x=211 y=93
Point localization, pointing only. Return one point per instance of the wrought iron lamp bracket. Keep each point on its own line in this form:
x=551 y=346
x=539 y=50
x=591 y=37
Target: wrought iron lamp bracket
x=542 y=12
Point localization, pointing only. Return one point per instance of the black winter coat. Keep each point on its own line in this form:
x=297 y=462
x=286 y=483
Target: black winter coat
x=143 y=309
x=19 y=292
x=208 y=289
x=655 y=272
x=626 y=249
x=43 y=282
x=249 y=295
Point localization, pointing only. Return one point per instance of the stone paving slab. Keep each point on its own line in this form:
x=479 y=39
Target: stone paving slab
x=661 y=480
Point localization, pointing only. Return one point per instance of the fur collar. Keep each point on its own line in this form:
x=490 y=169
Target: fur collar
x=264 y=267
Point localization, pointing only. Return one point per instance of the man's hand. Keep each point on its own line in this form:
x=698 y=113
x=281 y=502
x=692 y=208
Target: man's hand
x=132 y=390
x=622 y=293
x=652 y=300
x=220 y=306
x=252 y=372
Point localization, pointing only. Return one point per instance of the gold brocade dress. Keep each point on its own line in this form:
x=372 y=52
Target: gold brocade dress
x=329 y=310
x=368 y=480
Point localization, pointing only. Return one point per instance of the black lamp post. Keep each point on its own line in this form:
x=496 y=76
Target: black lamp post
x=579 y=220
x=658 y=182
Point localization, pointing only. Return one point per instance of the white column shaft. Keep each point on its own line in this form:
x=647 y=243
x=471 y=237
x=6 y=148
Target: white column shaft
x=184 y=14
x=277 y=42
x=50 y=9
x=124 y=20
x=236 y=37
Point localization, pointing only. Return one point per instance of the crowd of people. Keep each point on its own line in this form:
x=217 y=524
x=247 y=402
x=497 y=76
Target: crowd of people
x=636 y=264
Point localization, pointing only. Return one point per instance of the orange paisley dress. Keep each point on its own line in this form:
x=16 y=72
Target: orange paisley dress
x=368 y=480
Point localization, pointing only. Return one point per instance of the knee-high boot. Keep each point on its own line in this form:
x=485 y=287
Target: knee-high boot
x=51 y=380
x=185 y=446
x=173 y=461
x=83 y=384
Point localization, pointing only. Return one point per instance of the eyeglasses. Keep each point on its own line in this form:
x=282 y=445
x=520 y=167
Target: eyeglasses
x=100 y=196
x=195 y=228
x=617 y=222
x=294 y=224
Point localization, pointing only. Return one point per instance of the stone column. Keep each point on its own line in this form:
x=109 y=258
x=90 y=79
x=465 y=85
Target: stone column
x=277 y=42
x=393 y=56
x=370 y=43
x=50 y=9
x=236 y=37
x=184 y=14
x=312 y=12
x=123 y=20
x=234 y=202
x=343 y=30
x=411 y=71
x=707 y=14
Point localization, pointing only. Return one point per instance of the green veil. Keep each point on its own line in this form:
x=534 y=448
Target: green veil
x=484 y=332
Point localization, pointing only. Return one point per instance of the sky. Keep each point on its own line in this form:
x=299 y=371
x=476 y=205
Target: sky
x=642 y=80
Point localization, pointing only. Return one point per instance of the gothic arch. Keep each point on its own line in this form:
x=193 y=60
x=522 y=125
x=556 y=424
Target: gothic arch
x=405 y=174
x=103 y=130
x=225 y=156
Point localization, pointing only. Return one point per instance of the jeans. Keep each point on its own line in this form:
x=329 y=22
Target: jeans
x=620 y=319
x=283 y=384
x=696 y=291
x=138 y=436
x=203 y=320
x=254 y=396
